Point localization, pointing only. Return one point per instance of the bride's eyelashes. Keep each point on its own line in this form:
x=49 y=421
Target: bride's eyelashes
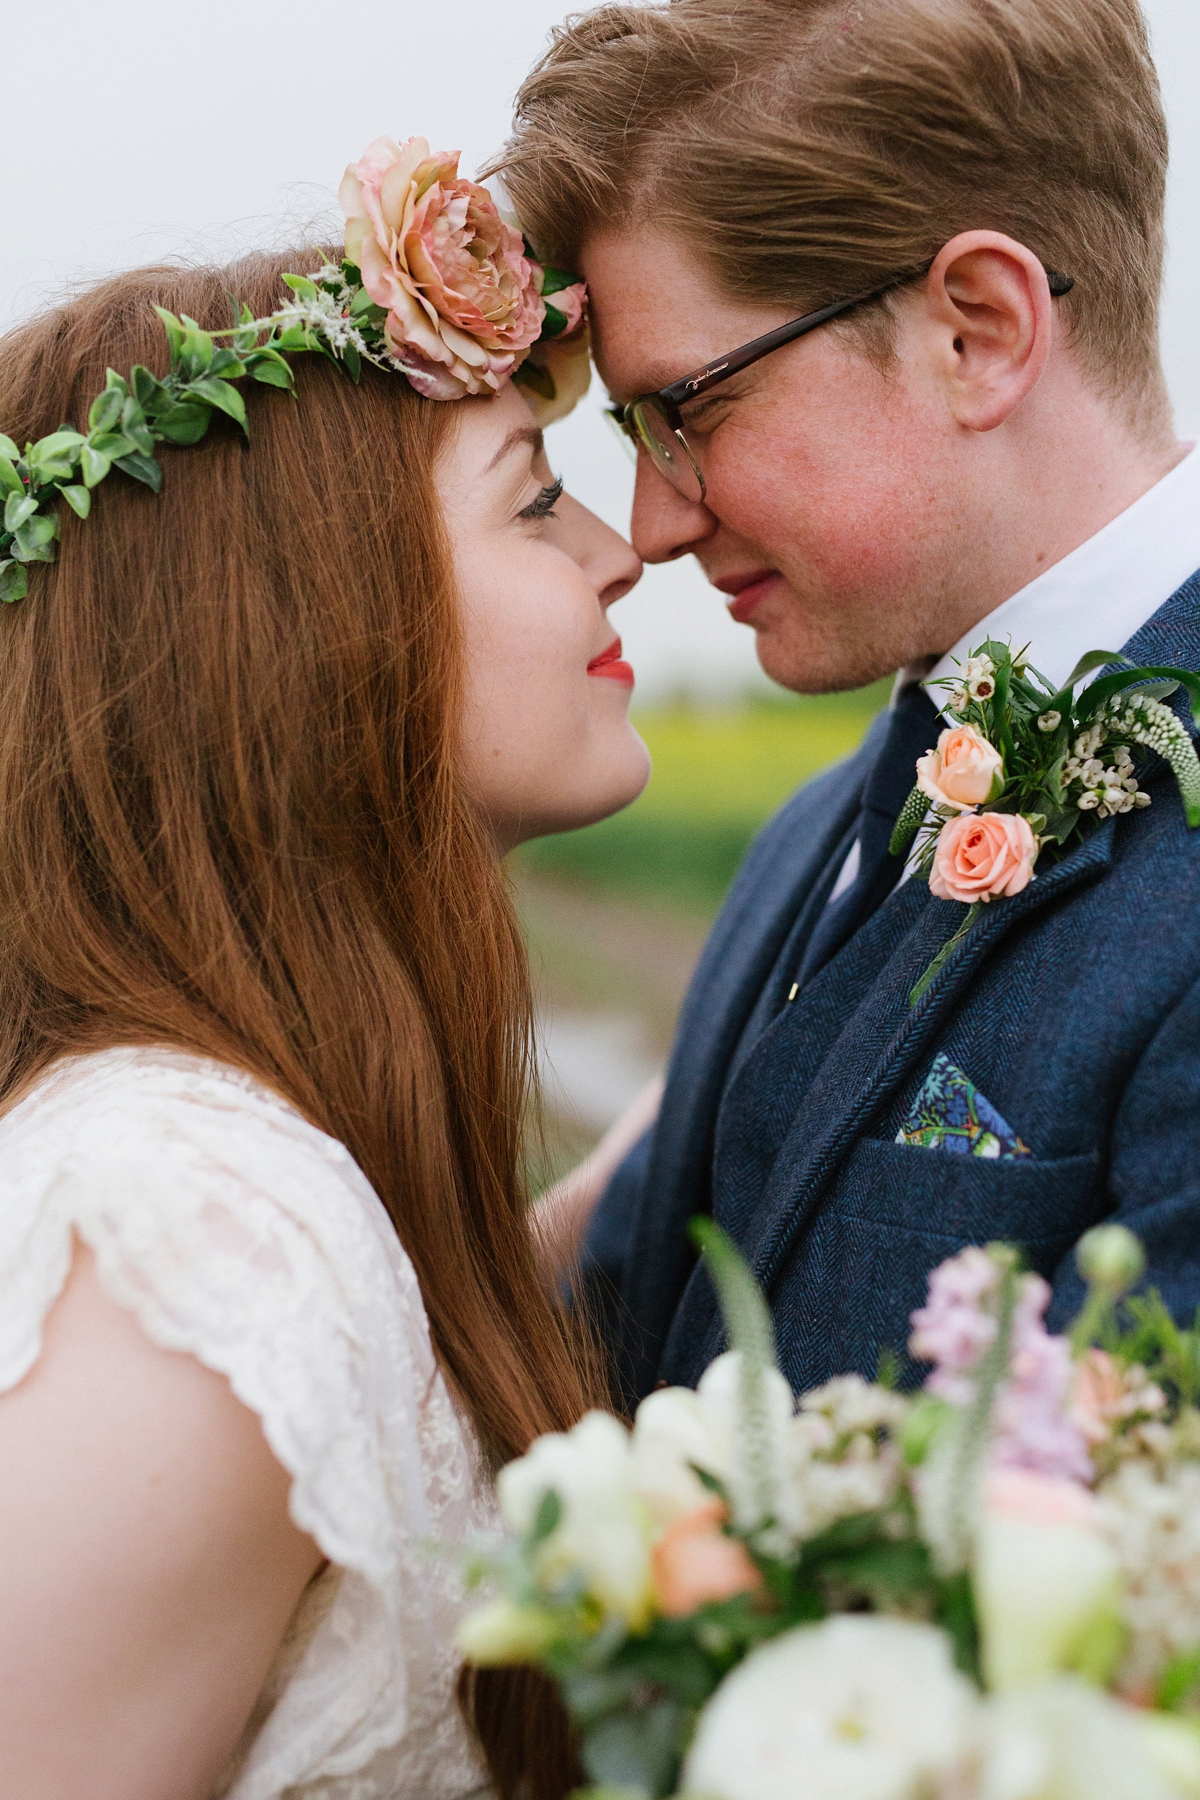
x=543 y=506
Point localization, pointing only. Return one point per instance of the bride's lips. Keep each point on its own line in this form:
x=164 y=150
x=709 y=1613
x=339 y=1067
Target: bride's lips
x=746 y=591
x=609 y=664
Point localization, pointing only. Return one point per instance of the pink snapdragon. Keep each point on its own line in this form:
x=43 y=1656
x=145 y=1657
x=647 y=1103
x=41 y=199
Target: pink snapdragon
x=955 y=1327
x=1032 y=1423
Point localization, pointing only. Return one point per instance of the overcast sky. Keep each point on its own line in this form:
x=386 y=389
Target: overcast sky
x=137 y=129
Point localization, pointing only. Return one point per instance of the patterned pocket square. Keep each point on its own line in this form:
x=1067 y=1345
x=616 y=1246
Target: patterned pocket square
x=951 y=1114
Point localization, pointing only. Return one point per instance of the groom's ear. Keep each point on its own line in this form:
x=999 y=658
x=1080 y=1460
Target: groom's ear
x=990 y=320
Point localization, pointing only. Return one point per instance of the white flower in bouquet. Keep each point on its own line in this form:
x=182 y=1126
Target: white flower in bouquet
x=856 y=1708
x=1152 y=1515
x=841 y=1456
x=676 y=1429
x=1046 y=1580
x=602 y=1532
x=1063 y=1739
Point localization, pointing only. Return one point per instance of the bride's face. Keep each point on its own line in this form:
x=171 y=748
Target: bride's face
x=547 y=740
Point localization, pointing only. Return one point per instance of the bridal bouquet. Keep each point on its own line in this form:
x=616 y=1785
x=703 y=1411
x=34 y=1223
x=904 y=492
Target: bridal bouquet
x=987 y=1590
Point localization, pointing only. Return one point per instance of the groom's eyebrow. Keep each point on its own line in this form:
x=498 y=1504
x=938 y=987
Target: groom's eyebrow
x=518 y=436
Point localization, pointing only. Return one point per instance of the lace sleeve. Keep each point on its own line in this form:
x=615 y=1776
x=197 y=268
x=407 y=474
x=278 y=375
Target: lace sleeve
x=236 y=1232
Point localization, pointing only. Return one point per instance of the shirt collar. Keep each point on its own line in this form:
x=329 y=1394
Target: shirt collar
x=1099 y=595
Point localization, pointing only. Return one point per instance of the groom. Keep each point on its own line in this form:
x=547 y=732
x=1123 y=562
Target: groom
x=982 y=448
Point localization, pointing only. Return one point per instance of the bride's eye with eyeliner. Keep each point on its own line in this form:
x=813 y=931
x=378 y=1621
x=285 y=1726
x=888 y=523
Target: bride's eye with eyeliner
x=543 y=506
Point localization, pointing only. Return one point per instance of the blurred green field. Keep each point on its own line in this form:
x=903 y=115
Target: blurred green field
x=718 y=775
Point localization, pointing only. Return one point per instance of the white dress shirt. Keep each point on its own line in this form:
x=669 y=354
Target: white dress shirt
x=1094 y=599
x=1099 y=595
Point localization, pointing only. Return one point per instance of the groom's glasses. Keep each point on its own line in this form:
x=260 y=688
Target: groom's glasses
x=654 y=423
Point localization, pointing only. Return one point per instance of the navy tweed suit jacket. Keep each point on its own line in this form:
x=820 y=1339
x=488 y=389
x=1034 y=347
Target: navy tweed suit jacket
x=1074 y=1007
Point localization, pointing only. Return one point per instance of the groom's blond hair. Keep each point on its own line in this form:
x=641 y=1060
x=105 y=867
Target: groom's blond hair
x=808 y=149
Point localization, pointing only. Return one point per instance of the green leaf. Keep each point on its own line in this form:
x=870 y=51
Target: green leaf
x=95 y=465
x=636 y=1751
x=198 y=347
x=1131 y=677
x=294 y=338
x=148 y=390
x=142 y=468
x=8 y=450
x=1179 y=1681
x=111 y=444
x=17 y=508
x=273 y=374
x=300 y=284
x=53 y=458
x=118 y=383
x=175 y=333
x=363 y=305
x=554 y=322
x=78 y=499
x=353 y=361
x=539 y=380
x=35 y=540
x=546 y=1521
x=14 y=583
x=1095 y=659
x=227 y=365
x=183 y=424
x=10 y=481
x=225 y=398
x=555 y=280
x=134 y=427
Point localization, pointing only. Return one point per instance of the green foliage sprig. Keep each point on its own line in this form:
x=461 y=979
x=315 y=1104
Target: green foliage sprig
x=331 y=315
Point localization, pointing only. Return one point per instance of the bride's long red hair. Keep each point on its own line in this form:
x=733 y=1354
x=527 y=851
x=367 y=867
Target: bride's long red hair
x=232 y=821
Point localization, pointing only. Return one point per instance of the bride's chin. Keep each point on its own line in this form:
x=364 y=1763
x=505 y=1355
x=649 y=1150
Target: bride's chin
x=606 y=784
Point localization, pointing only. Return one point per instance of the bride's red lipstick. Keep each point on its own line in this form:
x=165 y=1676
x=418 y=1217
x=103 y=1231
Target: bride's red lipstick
x=609 y=664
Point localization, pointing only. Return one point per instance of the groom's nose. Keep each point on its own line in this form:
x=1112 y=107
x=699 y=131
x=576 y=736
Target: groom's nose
x=664 y=525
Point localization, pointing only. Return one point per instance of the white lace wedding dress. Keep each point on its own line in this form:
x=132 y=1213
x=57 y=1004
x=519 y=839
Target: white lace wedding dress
x=237 y=1232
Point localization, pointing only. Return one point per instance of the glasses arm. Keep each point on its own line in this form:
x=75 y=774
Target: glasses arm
x=689 y=387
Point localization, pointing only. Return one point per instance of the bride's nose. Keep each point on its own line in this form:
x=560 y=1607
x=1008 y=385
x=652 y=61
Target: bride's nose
x=609 y=561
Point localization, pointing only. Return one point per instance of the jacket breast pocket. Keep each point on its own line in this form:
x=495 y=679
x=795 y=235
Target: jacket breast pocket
x=894 y=1213
x=1041 y=1204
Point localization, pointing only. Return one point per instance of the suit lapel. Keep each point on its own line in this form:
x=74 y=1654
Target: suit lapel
x=779 y=875
x=872 y=1059
x=876 y=1054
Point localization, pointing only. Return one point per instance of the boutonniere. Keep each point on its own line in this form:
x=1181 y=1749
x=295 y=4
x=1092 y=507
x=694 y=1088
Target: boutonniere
x=1021 y=766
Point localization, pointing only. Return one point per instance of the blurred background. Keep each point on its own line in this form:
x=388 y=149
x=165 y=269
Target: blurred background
x=142 y=130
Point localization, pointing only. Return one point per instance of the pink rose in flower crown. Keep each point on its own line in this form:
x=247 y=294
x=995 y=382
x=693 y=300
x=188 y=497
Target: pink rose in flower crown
x=988 y=856
x=964 y=771
x=462 y=297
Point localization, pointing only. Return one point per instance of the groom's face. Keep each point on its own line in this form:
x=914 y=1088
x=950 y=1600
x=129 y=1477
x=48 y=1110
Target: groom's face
x=837 y=509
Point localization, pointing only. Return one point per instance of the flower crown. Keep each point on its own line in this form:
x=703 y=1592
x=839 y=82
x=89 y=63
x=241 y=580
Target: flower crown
x=435 y=284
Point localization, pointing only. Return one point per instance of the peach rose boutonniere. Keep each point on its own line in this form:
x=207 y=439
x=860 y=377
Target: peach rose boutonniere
x=1023 y=765
x=963 y=772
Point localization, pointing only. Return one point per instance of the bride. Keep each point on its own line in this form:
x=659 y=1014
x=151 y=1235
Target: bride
x=268 y=1305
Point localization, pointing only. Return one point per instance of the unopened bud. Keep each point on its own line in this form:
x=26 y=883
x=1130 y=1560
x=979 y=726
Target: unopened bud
x=505 y=1632
x=1111 y=1258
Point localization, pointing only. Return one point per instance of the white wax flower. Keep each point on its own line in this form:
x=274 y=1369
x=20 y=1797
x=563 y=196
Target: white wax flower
x=1047 y=1583
x=1152 y=1516
x=1063 y=1739
x=603 y=1532
x=859 y=1707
